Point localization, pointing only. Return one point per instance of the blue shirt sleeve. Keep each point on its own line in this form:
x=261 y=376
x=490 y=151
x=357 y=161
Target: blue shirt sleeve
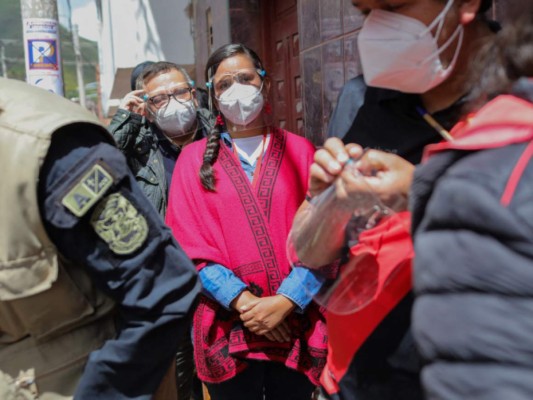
x=300 y=286
x=221 y=284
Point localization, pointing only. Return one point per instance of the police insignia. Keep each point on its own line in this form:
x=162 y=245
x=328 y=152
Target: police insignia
x=89 y=189
x=119 y=224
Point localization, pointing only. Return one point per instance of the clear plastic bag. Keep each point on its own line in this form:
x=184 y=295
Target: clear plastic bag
x=345 y=211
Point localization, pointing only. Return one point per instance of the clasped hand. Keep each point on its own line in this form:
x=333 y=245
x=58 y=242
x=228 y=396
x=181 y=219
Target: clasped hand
x=265 y=316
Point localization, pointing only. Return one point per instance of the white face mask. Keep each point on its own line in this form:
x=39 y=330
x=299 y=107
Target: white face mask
x=400 y=53
x=176 y=119
x=241 y=104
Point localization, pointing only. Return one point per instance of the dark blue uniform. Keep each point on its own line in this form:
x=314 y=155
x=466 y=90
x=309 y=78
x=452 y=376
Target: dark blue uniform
x=145 y=271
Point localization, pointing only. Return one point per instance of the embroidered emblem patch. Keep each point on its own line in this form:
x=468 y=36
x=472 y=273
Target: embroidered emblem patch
x=91 y=188
x=119 y=224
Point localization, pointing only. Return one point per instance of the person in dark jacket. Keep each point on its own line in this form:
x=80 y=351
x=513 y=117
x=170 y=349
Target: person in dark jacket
x=137 y=70
x=153 y=124
x=349 y=101
x=473 y=235
x=414 y=56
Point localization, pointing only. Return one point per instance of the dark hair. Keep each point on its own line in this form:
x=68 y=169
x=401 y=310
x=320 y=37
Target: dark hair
x=506 y=58
x=484 y=6
x=212 y=147
x=201 y=97
x=158 y=68
x=137 y=70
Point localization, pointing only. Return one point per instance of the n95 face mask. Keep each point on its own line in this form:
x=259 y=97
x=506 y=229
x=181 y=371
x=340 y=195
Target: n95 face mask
x=176 y=119
x=399 y=52
x=241 y=104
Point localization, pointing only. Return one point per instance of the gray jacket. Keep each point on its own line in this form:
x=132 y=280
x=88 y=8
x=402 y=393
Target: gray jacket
x=473 y=272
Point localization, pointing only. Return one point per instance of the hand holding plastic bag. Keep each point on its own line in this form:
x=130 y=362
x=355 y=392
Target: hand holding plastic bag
x=337 y=218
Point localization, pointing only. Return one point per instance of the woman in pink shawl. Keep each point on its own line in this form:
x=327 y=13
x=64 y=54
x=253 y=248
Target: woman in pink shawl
x=232 y=201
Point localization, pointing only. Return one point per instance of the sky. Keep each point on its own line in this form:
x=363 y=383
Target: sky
x=83 y=14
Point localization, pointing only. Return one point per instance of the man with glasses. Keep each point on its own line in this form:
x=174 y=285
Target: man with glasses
x=153 y=124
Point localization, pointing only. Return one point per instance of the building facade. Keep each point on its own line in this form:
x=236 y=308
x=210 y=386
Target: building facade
x=133 y=31
x=309 y=48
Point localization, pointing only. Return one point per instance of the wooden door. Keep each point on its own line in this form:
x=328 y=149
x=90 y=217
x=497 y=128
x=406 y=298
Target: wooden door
x=283 y=63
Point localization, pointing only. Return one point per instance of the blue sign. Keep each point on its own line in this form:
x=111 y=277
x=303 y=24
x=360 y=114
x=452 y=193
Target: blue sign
x=42 y=54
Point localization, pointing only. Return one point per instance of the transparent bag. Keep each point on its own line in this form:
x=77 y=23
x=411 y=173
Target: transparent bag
x=348 y=212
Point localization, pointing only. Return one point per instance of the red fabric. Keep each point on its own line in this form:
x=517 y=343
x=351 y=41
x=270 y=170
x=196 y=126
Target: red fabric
x=503 y=121
x=245 y=229
x=386 y=251
x=516 y=175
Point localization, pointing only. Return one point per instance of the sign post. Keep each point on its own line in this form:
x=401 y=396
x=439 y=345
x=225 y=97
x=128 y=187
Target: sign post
x=41 y=44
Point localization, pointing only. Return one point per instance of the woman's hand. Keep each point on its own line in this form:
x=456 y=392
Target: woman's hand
x=329 y=163
x=384 y=174
x=280 y=333
x=265 y=314
x=388 y=176
x=242 y=300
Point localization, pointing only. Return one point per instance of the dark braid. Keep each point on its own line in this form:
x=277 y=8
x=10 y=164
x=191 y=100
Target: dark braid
x=212 y=148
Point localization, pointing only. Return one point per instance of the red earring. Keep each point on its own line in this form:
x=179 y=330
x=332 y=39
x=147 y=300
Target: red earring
x=268 y=108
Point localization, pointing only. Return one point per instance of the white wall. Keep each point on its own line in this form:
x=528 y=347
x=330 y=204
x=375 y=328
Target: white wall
x=133 y=31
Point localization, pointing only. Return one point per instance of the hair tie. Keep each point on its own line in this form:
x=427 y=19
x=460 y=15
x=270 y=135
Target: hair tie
x=268 y=108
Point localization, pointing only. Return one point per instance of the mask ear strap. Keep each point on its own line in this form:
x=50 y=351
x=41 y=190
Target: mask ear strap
x=209 y=86
x=439 y=20
x=459 y=31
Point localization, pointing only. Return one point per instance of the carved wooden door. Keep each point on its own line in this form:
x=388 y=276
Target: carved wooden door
x=283 y=63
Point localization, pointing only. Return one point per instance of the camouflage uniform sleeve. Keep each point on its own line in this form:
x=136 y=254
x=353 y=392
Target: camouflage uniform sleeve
x=95 y=214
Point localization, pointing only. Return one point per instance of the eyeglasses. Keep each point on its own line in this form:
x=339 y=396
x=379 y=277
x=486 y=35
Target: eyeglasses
x=180 y=94
x=245 y=77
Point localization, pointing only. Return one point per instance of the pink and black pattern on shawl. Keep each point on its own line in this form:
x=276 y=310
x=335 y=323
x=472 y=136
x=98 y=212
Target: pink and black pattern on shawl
x=245 y=229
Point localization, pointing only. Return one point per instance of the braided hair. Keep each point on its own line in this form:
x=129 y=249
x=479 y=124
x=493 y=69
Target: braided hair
x=212 y=149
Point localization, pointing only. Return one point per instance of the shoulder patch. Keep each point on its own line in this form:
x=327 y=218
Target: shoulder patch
x=89 y=189
x=119 y=224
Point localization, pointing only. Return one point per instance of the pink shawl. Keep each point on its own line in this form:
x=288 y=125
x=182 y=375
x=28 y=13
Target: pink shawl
x=245 y=229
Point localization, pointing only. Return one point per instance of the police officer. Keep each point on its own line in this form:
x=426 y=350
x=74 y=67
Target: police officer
x=94 y=291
